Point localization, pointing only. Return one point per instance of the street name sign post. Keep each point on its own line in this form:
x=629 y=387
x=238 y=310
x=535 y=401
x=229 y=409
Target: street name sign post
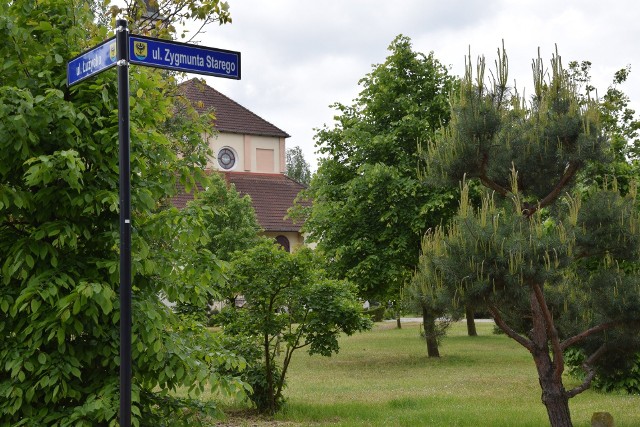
x=121 y=50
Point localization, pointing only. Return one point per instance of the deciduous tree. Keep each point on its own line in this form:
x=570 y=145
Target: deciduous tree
x=59 y=311
x=289 y=306
x=369 y=207
x=297 y=166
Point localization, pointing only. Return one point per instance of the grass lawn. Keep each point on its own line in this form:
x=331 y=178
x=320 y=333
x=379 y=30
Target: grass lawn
x=384 y=378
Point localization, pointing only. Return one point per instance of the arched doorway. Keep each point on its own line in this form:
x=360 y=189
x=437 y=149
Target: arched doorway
x=284 y=242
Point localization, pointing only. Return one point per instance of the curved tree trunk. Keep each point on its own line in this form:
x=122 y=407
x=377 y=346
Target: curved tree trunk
x=471 y=322
x=549 y=364
x=430 y=335
x=554 y=396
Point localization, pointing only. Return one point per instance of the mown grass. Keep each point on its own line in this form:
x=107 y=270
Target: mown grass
x=384 y=378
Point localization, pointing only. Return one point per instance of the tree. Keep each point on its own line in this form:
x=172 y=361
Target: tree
x=59 y=236
x=297 y=166
x=289 y=304
x=555 y=267
x=229 y=217
x=369 y=207
x=230 y=224
x=433 y=302
x=160 y=17
x=621 y=126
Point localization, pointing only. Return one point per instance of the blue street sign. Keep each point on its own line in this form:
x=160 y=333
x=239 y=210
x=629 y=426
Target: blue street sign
x=92 y=62
x=189 y=58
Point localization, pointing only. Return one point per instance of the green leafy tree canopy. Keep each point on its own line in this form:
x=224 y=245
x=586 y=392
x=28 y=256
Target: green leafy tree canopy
x=290 y=305
x=297 y=166
x=59 y=309
x=369 y=207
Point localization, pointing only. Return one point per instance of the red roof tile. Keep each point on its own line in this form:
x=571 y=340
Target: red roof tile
x=181 y=199
x=271 y=196
x=230 y=116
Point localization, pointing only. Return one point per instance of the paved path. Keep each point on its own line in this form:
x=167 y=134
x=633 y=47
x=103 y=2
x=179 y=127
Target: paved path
x=419 y=320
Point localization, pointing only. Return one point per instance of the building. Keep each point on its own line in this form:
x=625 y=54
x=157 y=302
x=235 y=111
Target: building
x=250 y=152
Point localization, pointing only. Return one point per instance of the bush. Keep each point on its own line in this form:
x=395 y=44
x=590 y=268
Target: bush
x=625 y=377
x=376 y=313
x=289 y=305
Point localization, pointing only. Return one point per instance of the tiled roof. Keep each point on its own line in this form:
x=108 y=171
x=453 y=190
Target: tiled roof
x=181 y=199
x=230 y=116
x=271 y=196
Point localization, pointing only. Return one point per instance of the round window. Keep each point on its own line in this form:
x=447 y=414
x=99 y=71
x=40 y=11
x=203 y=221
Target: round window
x=226 y=158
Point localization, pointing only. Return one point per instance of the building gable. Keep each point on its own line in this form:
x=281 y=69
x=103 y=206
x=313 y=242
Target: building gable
x=230 y=116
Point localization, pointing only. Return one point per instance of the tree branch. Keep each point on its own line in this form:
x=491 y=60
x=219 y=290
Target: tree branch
x=591 y=372
x=558 y=356
x=526 y=343
x=569 y=173
x=489 y=183
x=582 y=335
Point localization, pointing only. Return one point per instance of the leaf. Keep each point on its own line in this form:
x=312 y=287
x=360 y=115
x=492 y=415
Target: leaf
x=44 y=26
x=60 y=335
x=77 y=306
x=35 y=305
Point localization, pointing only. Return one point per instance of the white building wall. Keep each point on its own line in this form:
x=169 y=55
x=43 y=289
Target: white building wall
x=244 y=147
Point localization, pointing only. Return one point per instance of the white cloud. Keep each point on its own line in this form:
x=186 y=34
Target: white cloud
x=300 y=57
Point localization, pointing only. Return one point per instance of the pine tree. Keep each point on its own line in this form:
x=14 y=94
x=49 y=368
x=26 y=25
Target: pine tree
x=555 y=266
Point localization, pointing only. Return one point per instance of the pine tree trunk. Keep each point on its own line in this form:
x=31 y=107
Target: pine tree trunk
x=429 y=322
x=471 y=323
x=554 y=396
x=559 y=414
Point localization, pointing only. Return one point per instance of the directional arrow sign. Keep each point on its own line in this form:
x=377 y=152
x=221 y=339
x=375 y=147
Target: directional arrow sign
x=92 y=62
x=189 y=58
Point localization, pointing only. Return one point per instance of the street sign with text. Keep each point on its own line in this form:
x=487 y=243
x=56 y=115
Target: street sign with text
x=92 y=62
x=189 y=58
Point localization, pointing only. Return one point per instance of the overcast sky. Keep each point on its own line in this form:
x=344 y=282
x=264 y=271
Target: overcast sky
x=298 y=57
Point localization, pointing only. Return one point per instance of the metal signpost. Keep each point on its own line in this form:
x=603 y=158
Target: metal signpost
x=121 y=50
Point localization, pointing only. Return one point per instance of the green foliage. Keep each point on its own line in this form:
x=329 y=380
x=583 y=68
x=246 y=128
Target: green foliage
x=621 y=126
x=230 y=224
x=229 y=217
x=144 y=14
x=297 y=166
x=376 y=313
x=609 y=378
x=59 y=276
x=369 y=207
x=289 y=306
